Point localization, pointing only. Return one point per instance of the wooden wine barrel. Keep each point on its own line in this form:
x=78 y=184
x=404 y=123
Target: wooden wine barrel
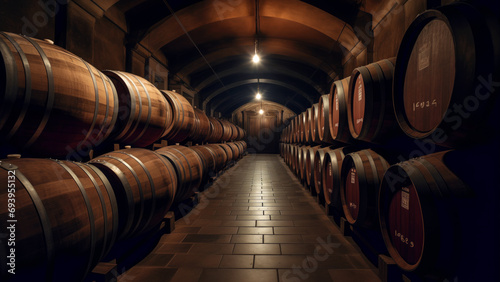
x=65 y=218
x=369 y=103
x=301 y=137
x=242 y=149
x=295 y=158
x=307 y=126
x=235 y=149
x=145 y=185
x=309 y=165
x=46 y=111
x=339 y=126
x=302 y=162
x=330 y=174
x=446 y=70
x=293 y=130
x=317 y=169
x=227 y=130
x=241 y=133
x=417 y=214
x=313 y=124
x=144 y=113
x=229 y=153
x=323 y=124
x=201 y=129
x=216 y=130
x=220 y=156
x=208 y=160
x=361 y=176
x=188 y=167
x=234 y=130
x=183 y=117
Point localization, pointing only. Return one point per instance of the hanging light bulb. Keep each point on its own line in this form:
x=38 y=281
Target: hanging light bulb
x=261 y=112
x=258 y=96
x=256 y=58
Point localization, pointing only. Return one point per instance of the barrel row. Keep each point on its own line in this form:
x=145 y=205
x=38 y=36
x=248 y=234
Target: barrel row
x=439 y=88
x=68 y=216
x=408 y=203
x=49 y=113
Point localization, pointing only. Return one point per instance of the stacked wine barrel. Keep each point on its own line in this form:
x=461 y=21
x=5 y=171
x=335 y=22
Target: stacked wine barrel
x=437 y=94
x=69 y=215
x=45 y=112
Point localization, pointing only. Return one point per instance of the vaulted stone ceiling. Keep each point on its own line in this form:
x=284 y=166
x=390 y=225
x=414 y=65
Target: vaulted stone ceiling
x=209 y=45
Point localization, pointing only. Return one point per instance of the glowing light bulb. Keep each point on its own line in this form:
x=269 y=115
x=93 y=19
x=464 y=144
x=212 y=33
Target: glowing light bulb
x=261 y=112
x=256 y=58
x=258 y=96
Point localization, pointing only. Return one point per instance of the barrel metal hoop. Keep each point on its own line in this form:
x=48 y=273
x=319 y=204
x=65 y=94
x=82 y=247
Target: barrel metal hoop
x=441 y=183
x=90 y=212
x=182 y=108
x=9 y=63
x=104 y=124
x=101 y=198
x=44 y=221
x=50 y=94
x=96 y=110
x=153 y=188
x=141 y=193
x=126 y=188
x=27 y=90
x=112 y=200
x=149 y=112
x=124 y=80
x=139 y=98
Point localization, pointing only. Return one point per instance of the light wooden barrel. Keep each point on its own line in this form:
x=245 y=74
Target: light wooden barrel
x=216 y=130
x=307 y=126
x=309 y=165
x=65 y=218
x=220 y=156
x=201 y=128
x=45 y=110
x=227 y=130
x=369 y=103
x=188 y=167
x=339 y=127
x=445 y=76
x=144 y=114
x=313 y=124
x=317 y=169
x=183 y=117
x=361 y=175
x=229 y=152
x=418 y=208
x=144 y=184
x=331 y=171
x=208 y=160
x=323 y=125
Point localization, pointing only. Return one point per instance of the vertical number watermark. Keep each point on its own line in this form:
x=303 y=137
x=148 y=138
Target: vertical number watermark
x=11 y=221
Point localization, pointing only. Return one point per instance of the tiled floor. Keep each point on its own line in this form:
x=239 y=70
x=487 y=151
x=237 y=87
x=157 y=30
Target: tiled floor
x=255 y=223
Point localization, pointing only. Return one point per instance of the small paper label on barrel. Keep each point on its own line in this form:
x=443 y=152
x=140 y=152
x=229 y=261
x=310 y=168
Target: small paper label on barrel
x=353 y=175
x=424 y=56
x=405 y=200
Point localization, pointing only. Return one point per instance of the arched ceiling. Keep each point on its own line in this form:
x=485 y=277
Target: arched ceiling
x=209 y=45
